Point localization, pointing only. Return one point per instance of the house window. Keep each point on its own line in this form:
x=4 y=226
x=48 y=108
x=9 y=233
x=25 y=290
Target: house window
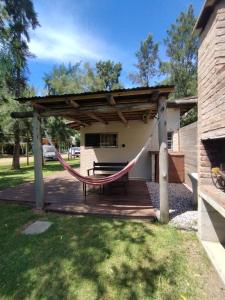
x=170 y=140
x=101 y=140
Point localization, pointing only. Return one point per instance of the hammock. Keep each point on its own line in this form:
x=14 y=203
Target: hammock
x=103 y=180
x=106 y=179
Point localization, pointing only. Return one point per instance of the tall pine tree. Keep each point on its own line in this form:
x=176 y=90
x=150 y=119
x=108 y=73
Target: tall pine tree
x=18 y=18
x=147 y=60
x=182 y=46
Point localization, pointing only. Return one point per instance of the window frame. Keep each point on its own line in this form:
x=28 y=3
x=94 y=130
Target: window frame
x=170 y=141
x=100 y=145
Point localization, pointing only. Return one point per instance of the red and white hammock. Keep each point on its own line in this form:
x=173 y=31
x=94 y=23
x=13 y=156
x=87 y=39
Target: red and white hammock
x=106 y=179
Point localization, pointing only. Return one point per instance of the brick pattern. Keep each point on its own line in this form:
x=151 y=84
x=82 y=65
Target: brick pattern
x=211 y=90
x=211 y=76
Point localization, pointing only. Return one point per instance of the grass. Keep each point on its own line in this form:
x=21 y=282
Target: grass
x=11 y=178
x=98 y=258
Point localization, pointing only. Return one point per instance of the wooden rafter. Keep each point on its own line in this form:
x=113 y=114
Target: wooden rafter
x=112 y=102
x=100 y=109
x=39 y=106
x=148 y=114
x=95 y=117
x=122 y=118
x=73 y=103
x=76 y=123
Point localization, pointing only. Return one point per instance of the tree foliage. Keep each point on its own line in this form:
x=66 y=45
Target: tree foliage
x=17 y=17
x=77 y=78
x=147 y=62
x=182 y=46
x=68 y=79
x=109 y=72
x=20 y=18
x=58 y=131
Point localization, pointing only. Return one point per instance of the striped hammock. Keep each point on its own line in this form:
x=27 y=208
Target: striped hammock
x=106 y=179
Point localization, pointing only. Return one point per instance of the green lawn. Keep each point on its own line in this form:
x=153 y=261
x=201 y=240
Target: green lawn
x=99 y=258
x=11 y=178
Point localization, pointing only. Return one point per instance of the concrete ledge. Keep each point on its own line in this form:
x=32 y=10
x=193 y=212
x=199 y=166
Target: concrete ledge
x=211 y=200
x=216 y=253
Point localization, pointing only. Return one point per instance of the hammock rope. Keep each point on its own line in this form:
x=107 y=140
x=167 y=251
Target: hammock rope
x=105 y=179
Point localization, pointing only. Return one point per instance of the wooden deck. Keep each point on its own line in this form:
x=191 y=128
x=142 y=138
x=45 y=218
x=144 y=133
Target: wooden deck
x=64 y=194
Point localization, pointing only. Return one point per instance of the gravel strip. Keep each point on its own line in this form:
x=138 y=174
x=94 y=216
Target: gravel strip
x=182 y=213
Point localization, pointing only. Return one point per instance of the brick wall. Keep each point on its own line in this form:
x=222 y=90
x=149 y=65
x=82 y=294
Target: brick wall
x=211 y=86
x=211 y=75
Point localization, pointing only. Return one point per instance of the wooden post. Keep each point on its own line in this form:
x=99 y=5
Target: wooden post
x=163 y=161
x=38 y=183
x=27 y=150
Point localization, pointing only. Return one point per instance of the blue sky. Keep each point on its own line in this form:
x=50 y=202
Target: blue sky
x=90 y=30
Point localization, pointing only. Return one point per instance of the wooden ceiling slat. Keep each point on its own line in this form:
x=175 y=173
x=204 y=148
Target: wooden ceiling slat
x=103 y=109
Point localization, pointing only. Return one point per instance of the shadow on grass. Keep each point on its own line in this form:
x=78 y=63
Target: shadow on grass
x=79 y=258
x=11 y=178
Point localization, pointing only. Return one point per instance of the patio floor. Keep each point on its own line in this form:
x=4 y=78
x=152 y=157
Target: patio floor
x=64 y=194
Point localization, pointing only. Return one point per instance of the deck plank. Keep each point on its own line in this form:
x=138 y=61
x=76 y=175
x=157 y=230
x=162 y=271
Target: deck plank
x=64 y=194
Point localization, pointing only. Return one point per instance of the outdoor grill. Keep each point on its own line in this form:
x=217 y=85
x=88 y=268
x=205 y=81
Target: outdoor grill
x=213 y=162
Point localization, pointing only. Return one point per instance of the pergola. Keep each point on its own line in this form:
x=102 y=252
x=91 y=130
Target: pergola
x=121 y=105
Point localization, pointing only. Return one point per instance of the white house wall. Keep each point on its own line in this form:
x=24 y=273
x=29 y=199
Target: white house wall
x=133 y=136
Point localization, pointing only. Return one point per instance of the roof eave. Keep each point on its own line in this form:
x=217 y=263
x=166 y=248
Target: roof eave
x=167 y=89
x=205 y=13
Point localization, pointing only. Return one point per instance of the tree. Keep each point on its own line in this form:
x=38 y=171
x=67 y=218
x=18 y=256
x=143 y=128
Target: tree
x=63 y=79
x=182 y=46
x=90 y=81
x=58 y=131
x=147 y=61
x=77 y=78
x=109 y=72
x=8 y=124
x=19 y=16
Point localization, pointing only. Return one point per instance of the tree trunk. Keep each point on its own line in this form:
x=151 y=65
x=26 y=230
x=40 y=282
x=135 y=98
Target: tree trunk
x=16 y=150
x=27 y=151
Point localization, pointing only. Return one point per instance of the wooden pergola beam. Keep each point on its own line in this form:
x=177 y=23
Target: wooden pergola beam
x=78 y=122
x=147 y=115
x=22 y=115
x=39 y=106
x=73 y=103
x=80 y=97
x=122 y=118
x=95 y=117
x=99 y=108
x=112 y=102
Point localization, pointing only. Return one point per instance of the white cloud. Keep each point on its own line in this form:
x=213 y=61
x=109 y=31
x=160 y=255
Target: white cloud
x=68 y=43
